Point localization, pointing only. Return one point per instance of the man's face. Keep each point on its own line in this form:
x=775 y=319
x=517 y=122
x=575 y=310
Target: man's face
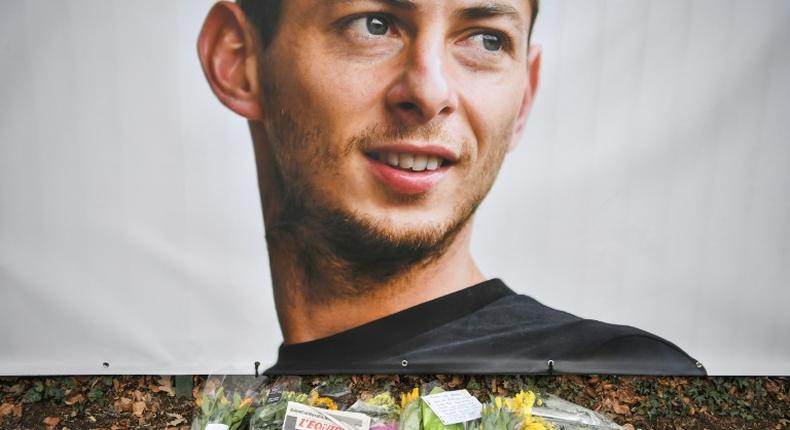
x=395 y=113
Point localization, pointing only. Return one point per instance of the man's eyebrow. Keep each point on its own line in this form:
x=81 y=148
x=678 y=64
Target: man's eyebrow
x=491 y=10
x=400 y=4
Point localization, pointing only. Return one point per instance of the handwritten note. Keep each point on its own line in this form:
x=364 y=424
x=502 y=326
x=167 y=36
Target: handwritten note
x=453 y=407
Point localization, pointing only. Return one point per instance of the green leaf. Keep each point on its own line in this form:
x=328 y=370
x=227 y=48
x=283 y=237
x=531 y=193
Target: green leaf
x=411 y=417
x=32 y=396
x=54 y=392
x=68 y=384
x=95 y=394
x=205 y=405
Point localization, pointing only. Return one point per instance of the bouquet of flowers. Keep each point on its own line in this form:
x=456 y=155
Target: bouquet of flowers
x=506 y=413
x=382 y=409
x=245 y=404
x=499 y=414
x=217 y=408
x=271 y=415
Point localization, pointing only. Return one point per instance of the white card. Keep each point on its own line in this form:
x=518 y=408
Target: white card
x=453 y=407
x=304 y=417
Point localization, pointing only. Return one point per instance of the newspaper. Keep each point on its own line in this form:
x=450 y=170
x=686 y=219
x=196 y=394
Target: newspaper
x=304 y=417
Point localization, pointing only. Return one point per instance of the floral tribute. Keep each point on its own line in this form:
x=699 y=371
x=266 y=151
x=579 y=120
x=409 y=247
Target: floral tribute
x=265 y=407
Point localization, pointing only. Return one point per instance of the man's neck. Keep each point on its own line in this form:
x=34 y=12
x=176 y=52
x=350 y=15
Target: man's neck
x=303 y=319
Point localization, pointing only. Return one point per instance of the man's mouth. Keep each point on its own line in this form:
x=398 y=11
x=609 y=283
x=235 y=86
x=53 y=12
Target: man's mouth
x=409 y=170
x=409 y=161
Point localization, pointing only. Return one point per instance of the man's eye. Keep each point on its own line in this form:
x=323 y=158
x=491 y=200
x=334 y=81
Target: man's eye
x=489 y=41
x=373 y=25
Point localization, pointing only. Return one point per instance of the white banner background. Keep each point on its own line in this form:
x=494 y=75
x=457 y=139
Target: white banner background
x=652 y=187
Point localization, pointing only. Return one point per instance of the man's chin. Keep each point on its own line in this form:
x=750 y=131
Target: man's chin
x=357 y=249
x=381 y=248
x=380 y=234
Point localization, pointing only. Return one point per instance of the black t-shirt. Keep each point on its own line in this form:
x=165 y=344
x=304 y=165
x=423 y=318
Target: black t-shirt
x=484 y=329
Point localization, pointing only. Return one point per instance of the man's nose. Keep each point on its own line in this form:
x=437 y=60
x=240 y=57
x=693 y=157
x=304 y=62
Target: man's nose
x=423 y=91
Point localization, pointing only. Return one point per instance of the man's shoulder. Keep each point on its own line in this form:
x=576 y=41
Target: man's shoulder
x=521 y=335
x=488 y=328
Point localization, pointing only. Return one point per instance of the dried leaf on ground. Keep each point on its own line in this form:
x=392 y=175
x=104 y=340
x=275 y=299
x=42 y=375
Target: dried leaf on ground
x=620 y=409
x=51 y=422
x=74 y=398
x=177 y=419
x=124 y=404
x=10 y=409
x=456 y=381
x=165 y=383
x=15 y=389
x=138 y=408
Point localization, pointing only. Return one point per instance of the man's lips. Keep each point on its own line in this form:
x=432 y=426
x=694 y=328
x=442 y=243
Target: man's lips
x=403 y=148
x=410 y=169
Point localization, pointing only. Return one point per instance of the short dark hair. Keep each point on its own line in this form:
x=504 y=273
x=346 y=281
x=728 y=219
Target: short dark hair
x=265 y=16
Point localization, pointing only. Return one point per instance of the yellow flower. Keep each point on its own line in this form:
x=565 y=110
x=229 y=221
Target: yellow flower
x=325 y=402
x=406 y=398
x=521 y=404
x=321 y=402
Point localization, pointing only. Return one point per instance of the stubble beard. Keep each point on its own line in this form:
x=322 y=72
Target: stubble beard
x=338 y=252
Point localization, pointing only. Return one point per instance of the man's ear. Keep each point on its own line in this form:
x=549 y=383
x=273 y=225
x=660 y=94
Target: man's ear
x=533 y=70
x=227 y=50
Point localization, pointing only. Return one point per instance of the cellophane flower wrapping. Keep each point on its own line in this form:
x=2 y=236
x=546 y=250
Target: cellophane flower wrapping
x=227 y=400
x=382 y=409
x=247 y=403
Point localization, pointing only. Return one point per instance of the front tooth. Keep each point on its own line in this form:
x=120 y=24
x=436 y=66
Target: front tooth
x=392 y=159
x=433 y=163
x=405 y=161
x=420 y=161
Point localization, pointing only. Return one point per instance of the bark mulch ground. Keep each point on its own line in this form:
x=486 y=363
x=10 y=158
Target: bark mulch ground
x=149 y=402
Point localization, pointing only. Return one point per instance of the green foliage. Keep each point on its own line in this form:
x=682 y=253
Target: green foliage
x=411 y=416
x=721 y=397
x=271 y=416
x=96 y=394
x=385 y=405
x=58 y=389
x=217 y=408
x=35 y=393
x=107 y=381
x=496 y=418
x=552 y=385
x=44 y=390
x=68 y=384
x=328 y=384
x=645 y=386
x=53 y=392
